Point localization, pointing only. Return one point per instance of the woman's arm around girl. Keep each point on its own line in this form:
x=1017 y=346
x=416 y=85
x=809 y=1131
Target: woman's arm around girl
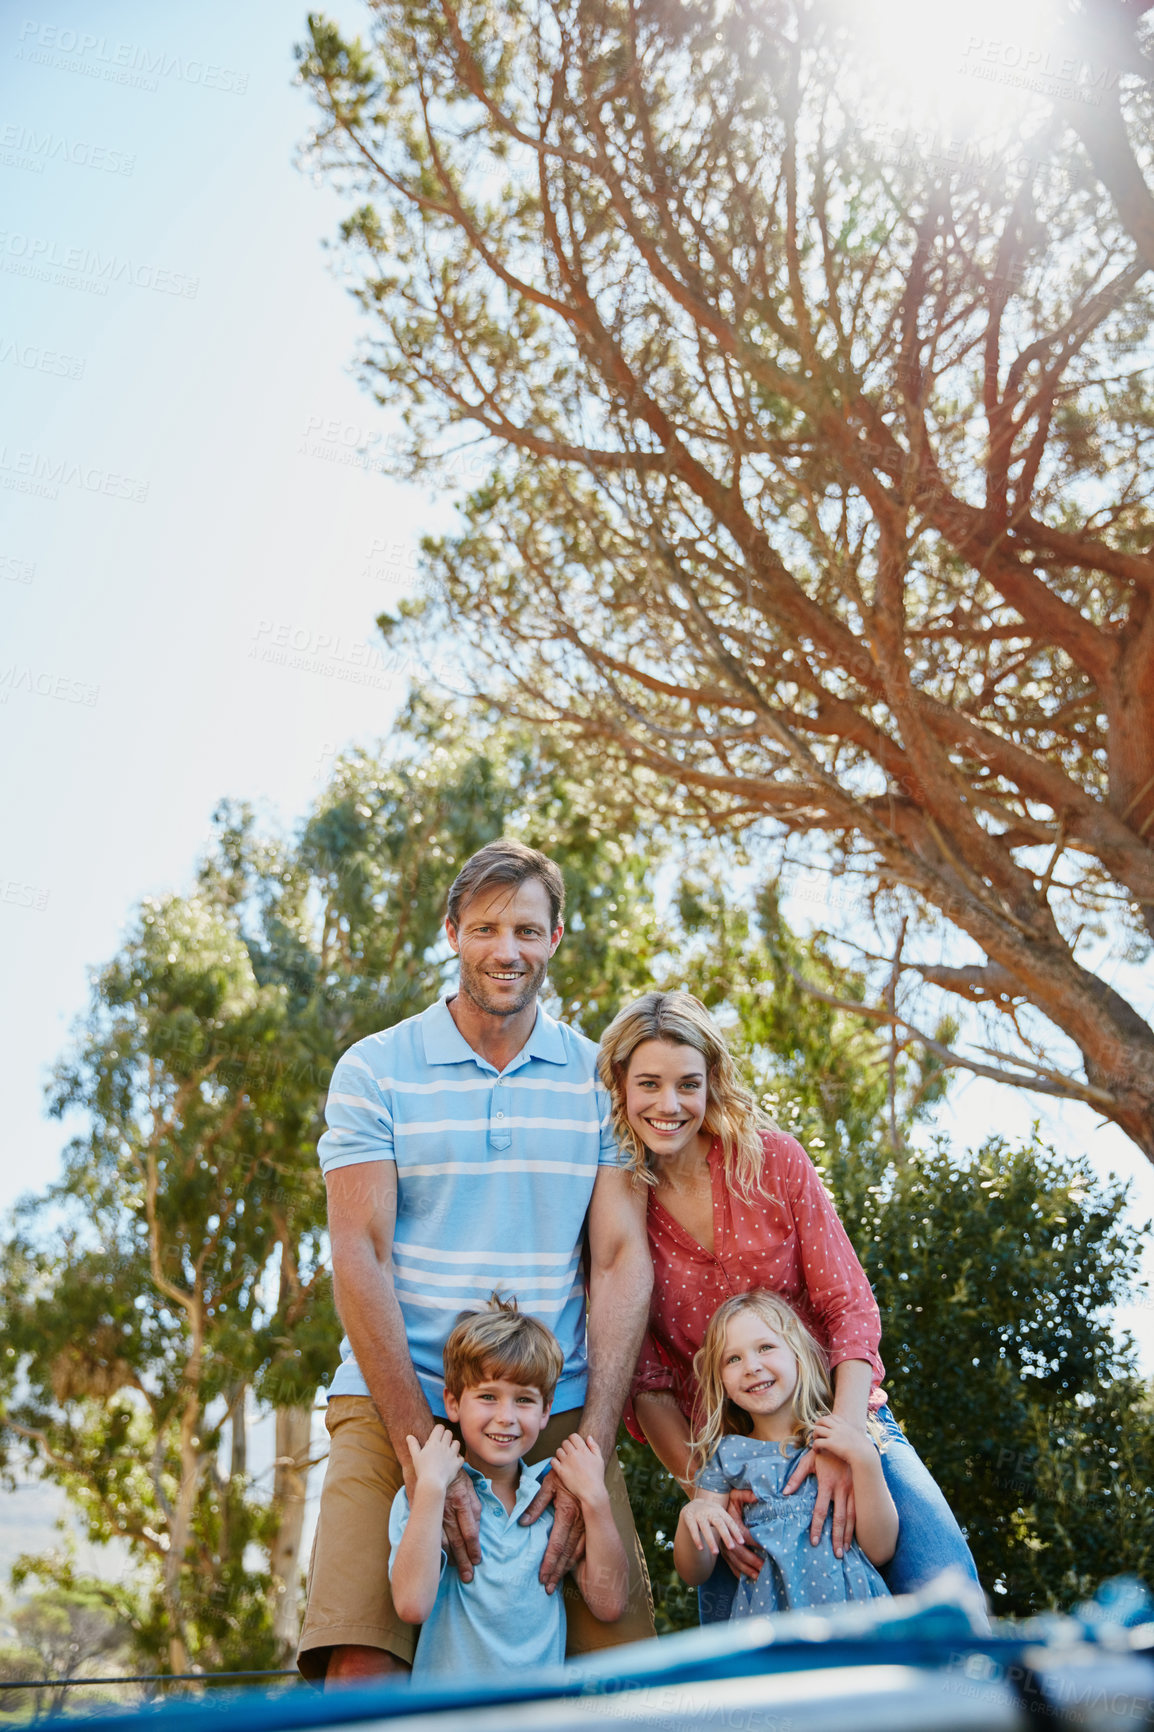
x=876 y=1530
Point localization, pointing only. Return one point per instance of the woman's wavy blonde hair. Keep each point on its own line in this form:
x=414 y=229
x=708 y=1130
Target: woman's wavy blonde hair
x=716 y=1414
x=731 y=1112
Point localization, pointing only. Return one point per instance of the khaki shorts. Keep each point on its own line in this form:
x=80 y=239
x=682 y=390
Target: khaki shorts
x=349 y=1601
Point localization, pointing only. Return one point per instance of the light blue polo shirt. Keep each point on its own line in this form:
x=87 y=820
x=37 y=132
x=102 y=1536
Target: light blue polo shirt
x=495 y=1170
x=503 y=1620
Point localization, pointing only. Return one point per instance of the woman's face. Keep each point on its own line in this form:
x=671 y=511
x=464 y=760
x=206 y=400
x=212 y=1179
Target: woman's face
x=666 y=1094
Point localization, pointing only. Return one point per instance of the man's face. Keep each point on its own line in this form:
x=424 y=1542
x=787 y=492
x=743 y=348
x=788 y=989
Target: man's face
x=504 y=944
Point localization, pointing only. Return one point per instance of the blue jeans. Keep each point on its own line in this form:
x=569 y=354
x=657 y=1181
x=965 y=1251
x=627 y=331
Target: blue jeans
x=929 y=1538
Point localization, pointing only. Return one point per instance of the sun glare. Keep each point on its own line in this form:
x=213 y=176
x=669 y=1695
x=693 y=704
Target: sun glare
x=971 y=69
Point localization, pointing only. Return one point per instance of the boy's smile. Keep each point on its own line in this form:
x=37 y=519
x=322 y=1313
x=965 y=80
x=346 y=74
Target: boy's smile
x=500 y=1422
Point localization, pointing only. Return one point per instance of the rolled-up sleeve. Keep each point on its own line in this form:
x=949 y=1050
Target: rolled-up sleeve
x=359 y=1123
x=653 y=1375
x=836 y=1284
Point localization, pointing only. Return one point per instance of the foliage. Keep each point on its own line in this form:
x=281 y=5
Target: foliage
x=994 y=1272
x=132 y=1287
x=62 y=1632
x=656 y=1499
x=818 y=492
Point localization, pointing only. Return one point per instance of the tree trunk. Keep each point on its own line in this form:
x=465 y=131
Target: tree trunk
x=290 y=1479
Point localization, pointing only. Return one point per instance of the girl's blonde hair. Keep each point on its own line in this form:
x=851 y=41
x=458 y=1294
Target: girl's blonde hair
x=731 y=1113
x=717 y=1415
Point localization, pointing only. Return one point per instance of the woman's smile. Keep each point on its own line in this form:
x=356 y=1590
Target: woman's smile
x=666 y=1096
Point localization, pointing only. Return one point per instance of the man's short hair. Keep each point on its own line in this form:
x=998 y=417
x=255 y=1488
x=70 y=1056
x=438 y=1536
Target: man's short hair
x=500 y=1341
x=507 y=862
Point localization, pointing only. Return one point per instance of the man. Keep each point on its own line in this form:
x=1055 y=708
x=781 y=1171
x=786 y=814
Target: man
x=469 y=1149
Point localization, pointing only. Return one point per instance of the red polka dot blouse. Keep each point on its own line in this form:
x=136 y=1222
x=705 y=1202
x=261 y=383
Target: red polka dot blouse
x=789 y=1240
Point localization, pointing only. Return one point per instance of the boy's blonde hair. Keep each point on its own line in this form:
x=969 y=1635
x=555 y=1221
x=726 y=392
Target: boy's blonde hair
x=731 y=1111
x=717 y=1414
x=500 y=1341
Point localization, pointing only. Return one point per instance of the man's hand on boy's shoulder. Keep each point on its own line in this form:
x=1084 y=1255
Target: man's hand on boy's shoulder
x=580 y=1467
x=566 y=1545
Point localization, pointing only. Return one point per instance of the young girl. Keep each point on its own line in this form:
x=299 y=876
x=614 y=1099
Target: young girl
x=761 y=1373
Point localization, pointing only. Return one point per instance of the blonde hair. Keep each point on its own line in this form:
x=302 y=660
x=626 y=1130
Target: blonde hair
x=500 y=1341
x=717 y=1414
x=731 y=1112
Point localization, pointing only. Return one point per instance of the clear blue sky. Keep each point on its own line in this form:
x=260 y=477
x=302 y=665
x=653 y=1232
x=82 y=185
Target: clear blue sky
x=208 y=390
x=174 y=363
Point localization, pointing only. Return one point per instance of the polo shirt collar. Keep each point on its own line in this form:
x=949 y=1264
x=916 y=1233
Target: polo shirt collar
x=546 y=1040
x=445 y=1044
x=528 y=1485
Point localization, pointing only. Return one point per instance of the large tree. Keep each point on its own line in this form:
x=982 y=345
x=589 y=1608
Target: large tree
x=819 y=488
x=132 y=1289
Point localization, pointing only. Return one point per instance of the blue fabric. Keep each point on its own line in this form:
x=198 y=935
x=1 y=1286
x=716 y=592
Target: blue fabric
x=795 y=1573
x=494 y=1175
x=939 y=1632
x=929 y=1538
x=503 y=1620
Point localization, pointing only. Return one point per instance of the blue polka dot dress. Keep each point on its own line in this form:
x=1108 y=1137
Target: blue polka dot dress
x=795 y=1573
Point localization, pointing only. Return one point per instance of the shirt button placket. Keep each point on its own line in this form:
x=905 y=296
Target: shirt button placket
x=500 y=1135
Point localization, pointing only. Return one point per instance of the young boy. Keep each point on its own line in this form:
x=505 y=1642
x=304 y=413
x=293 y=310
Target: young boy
x=501 y=1369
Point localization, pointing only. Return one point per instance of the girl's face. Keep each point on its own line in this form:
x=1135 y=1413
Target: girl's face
x=666 y=1094
x=759 y=1374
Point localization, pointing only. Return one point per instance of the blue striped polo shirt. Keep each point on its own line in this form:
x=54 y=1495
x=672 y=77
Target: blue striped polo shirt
x=495 y=1170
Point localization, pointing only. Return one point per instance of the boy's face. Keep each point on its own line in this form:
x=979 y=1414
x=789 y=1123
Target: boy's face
x=500 y=1421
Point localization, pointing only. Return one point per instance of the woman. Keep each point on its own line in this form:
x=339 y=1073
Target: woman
x=735 y=1204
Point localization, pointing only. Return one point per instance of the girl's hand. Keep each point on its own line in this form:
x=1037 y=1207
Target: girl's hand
x=742 y=1559
x=834 y=1486
x=710 y=1526
x=580 y=1467
x=838 y=1435
x=437 y=1461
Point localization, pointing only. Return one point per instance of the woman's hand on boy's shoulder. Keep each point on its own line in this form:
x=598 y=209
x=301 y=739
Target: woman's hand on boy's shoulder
x=438 y=1460
x=580 y=1467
